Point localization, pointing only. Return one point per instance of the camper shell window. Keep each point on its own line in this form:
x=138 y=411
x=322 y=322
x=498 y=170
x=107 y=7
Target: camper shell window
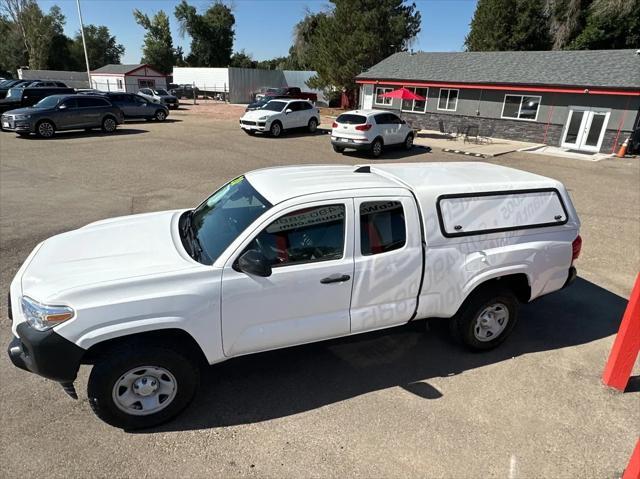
x=467 y=214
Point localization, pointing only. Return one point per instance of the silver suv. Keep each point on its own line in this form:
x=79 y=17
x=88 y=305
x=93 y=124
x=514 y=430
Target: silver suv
x=159 y=95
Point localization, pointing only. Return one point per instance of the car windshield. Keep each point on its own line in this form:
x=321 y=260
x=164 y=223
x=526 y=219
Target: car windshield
x=160 y=92
x=223 y=216
x=48 y=102
x=275 y=105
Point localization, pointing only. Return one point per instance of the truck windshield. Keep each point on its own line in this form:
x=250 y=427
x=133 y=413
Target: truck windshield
x=221 y=218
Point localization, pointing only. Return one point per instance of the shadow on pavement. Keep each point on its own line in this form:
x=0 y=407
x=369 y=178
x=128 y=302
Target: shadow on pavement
x=66 y=135
x=290 y=381
x=390 y=153
x=135 y=121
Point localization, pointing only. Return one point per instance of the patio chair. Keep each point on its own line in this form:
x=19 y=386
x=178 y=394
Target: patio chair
x=486 y=136
x=471 y=134
x=449 y=134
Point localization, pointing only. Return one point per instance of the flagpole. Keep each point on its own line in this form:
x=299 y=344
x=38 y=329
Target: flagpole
x=84 y=44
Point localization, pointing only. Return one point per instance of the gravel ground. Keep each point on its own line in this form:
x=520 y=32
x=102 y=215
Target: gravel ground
x=402 y=403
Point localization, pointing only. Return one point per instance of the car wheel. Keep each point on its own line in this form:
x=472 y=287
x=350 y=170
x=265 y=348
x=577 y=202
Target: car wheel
x=408 y=142
x=376 y=148
x=160 y=115
x=45 y=129
x=338 y=149
x=313 y=125
x=141 y=387
x=109 y=125
x=276 y=129
x=486 y=318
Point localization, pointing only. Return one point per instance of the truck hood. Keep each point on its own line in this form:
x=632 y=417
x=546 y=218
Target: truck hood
x=111 y=250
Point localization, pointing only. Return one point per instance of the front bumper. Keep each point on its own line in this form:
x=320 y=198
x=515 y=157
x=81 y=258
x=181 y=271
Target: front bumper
x=354 y=144
x=45 y=353
x=253 y=125
x=11 y=124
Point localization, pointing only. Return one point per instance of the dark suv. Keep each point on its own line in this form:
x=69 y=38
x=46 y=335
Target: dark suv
x=135 y=106
x=22 y=97
x=63 y=112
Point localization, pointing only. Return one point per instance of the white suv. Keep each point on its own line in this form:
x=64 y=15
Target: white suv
x=370 y=130
x=279 y=115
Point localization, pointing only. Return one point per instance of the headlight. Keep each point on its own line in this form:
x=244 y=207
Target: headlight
x=263 y=118
x=21 y=117
x=42 y=316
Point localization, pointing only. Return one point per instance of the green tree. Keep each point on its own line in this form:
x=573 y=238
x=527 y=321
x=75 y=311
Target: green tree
x=211 y=34
x=499 y=25
x=59 y=55
x=355 y=35
x=302 y=34
x=102 y=47
x=158 y=45
x=242 y=59
x=12 y=50
x=610 y=24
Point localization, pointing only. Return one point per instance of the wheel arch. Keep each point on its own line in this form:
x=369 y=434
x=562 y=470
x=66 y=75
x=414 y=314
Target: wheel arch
x=55 y=127
x=172 y=338
x=518 y=282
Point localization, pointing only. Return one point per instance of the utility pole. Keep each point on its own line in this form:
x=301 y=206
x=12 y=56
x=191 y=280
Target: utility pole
x=84 y=44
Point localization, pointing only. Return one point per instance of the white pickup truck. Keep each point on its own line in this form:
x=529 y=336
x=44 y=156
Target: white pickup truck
x=280 y=257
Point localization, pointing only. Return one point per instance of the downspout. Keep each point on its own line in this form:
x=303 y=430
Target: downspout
x=546 y=128
x=624 y=116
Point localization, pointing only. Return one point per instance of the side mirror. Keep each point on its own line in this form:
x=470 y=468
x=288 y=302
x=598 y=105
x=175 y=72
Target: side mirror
x=255 y=263
x=288 y=110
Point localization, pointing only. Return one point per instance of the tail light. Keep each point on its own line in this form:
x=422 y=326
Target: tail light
x=576 y=247
x=334 y=125
x=365 y=127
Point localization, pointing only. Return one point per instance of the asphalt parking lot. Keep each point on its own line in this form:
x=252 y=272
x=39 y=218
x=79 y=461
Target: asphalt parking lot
x=403 y=403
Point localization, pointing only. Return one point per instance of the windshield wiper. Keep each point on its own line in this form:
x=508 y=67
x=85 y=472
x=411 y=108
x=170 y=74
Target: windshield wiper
x=197 y=252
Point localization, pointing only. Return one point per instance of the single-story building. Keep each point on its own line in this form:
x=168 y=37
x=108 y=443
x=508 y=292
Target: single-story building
x=129 y=78
x=582 y=100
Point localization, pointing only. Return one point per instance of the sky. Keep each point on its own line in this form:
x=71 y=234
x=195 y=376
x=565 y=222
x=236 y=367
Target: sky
x=264 y=28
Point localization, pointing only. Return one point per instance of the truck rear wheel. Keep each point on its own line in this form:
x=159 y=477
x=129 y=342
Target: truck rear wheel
x=140 y=387
x=486 y=318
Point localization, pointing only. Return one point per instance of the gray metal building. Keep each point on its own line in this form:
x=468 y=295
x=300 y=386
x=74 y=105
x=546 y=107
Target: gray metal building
x=583 y=100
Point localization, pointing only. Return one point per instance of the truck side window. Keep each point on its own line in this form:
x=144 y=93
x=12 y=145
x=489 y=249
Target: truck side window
x=382 y=227
x=304 y=236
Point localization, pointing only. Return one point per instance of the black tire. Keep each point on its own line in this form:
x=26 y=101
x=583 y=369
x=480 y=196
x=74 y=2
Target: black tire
x=249 y=132
x=109 y=124
x=376 y=148
x=276 y=129
x=23 y=133
x=408 y=142
x=115 y=365
x=160 y=115
x=45 y=129
x=465 y=326
x=338 y=149
x=312 y=126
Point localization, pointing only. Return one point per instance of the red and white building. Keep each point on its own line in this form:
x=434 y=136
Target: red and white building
x=127 y=78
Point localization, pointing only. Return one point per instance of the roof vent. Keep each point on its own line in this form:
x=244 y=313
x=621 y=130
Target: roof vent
x=363 y=169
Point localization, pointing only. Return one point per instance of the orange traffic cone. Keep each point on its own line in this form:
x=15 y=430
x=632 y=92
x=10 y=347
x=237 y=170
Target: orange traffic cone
x=623 y=149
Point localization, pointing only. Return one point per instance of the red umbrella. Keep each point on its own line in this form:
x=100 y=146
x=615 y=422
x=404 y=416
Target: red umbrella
x=403 y=94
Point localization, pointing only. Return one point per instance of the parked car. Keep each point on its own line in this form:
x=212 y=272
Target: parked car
x=159 y=96
x=260 y=93
x=256 y=105
x=8 y=84
x=63 y=112
x=280 y=115
x=184 y=91
x=137 y=106
x=370 y=130
x=24 y=97
x=43 y=84
x=281 y=257
x=287 y=92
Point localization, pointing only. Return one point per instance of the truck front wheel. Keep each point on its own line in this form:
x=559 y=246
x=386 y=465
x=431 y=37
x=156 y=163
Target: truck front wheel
x=486 y=318
x=140 y=387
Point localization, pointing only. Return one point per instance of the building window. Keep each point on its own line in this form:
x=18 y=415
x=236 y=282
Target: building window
x=521 y=107
x=119 y=80
x=381 y=91
x=144 y=83
x=416 y=106
x=448 y=99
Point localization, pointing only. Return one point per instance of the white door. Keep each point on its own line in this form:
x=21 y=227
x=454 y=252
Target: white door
x=388 y=262
x=585 y=129
x=367 y=97
x=307 y=296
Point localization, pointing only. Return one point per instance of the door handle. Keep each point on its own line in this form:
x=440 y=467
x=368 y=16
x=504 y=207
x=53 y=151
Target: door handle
x=335 y=278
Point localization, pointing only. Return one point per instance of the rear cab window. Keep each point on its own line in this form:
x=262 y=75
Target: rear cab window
x=469 y=214
x=382 y=227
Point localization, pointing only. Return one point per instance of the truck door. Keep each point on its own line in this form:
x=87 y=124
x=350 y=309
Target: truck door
x=388 y=262
x=306 y=298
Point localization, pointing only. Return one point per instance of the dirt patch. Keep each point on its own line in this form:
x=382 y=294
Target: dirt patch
x=218 y=110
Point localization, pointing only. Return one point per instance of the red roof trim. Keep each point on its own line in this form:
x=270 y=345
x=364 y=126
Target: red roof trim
x=488 y=86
